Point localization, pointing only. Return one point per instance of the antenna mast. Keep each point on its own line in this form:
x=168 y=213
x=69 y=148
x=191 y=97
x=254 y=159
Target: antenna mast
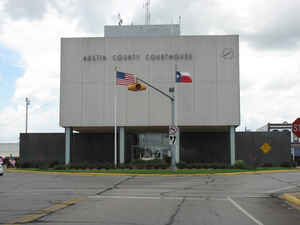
x=147 y=12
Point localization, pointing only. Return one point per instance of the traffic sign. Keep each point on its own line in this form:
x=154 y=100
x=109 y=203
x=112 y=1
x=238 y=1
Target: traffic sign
x=172 y=139
x=265 y=148
x=172 y=130
x=296 y=127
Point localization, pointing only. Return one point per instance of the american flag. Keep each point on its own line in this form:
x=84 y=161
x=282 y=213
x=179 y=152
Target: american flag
x=125 y=78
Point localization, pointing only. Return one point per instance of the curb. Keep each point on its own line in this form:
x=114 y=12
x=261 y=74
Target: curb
x=150 y=175
x=291 y=199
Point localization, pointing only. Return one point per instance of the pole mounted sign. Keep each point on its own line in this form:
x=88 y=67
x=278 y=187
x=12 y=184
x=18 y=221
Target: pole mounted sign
x=172 y=135
x=296 y=127
x=172 y=130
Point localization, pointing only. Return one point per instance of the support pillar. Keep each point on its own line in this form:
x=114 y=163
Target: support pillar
x=177 y=145
x=122 y=145
x=232 y=145
x=68 y=141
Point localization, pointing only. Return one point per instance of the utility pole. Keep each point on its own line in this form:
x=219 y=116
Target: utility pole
x=27 y=102
x=173 y=147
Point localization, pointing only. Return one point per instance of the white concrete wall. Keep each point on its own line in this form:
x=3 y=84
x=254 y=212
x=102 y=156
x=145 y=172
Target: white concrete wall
x=142 y=30
x=87 y=87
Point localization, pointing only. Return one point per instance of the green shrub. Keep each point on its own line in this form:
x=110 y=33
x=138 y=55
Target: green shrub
x=77 y=166
x=267 y=165
x=125 y=166
x=108 y=165
x=181 y=165
x=150 y=164
x=53 y=164
x=240 y=164
x=22 y=164
x=219 y=166
x=288 y=164
x=59 y=167
x=43 y=165
x=201 y=165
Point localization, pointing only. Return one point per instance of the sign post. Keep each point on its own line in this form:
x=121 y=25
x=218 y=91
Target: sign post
x=296 y=127
x=173 y=129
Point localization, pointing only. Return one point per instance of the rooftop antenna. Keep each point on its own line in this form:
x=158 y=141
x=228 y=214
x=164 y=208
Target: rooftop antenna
x=120 y=20
x=147 y=12
x=179 y=22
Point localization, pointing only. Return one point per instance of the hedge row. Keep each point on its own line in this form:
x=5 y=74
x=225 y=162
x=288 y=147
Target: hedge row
x=140 y=164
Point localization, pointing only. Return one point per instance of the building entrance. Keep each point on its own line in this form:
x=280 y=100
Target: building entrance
x=151 y=146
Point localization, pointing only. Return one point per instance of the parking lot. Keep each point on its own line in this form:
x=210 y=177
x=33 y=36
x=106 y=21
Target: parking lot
x=230 y=199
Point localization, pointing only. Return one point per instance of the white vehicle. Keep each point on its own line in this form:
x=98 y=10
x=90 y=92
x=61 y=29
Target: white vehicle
x=1 y=169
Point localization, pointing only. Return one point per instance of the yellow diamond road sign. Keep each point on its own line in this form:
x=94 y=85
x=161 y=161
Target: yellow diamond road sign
x=265 y=148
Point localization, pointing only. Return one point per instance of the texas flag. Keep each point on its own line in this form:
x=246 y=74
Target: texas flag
x=183 y=77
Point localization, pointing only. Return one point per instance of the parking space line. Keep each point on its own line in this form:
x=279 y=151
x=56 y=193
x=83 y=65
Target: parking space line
x=244 y=211
x=155 y=198
x=45 y=212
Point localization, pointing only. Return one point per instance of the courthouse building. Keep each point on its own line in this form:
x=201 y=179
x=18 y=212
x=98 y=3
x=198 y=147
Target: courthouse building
x=207 y=110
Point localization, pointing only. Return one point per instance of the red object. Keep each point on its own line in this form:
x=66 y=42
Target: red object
x=296 y=127
x=183 y=77
x=125 y=78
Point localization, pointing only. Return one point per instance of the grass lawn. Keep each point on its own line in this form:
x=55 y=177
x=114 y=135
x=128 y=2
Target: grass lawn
x=162 y=171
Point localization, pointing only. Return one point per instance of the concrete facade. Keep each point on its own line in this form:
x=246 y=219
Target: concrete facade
x=88 y=81
x=142 y=30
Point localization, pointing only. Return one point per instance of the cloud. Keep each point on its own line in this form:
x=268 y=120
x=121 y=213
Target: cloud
x=38 y=44
x=270 y=86
x=276 y=25
x=264 y=26
x=91 y=15
x=20 y=9
x=269 y=50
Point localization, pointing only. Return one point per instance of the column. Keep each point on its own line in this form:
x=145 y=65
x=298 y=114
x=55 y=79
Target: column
x=232 y=145
x=177 y=145
x=68 y=141
x=122 y=145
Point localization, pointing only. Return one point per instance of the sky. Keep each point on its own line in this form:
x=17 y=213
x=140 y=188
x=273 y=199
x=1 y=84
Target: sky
x=30 y=32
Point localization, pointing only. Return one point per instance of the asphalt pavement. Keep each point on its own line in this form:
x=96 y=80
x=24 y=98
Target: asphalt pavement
x=229 y=199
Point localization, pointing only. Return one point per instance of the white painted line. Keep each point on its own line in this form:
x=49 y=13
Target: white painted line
x=280 y=189
x=155 y=197
x=244 y=211
x=258 y=196
x=125 y=197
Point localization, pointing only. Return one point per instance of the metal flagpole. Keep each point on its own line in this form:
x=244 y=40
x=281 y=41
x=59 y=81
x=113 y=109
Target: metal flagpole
x=115 y=112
